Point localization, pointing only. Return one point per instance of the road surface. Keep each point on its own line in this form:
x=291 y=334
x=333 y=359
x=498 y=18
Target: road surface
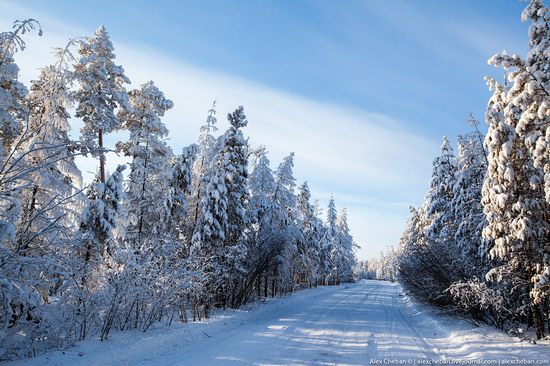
x=367 y=323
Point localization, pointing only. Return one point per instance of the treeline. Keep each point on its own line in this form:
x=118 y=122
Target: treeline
x=183 y=233
x=381 y=268
x=480 y=242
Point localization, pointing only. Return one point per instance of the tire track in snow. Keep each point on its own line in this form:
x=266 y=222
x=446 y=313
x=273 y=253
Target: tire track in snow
x=419 y=340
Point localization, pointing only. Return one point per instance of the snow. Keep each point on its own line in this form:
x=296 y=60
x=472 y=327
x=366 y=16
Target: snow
x=351 y=324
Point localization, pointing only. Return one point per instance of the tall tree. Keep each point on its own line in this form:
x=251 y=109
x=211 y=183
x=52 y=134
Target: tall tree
x=260 y=210
x=328 y=246
x=284 y=217
x=346 y=247
x=13 y=110
x=180 y=183
x=97 y=226
x=514 y=204
x=222 y=223
x=13 y=114
x=147 y=185
x=440 y=195
x=466 y=202
x=101 y=91
x=528 y=105
x=48 y=205
x=201 y=169
x=312 y=232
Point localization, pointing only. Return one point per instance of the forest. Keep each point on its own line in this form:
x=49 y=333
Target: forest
x=479 y=245
x=165 y=239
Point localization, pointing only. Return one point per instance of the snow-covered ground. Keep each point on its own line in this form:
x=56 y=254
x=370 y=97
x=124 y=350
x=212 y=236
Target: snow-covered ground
x=370 y=322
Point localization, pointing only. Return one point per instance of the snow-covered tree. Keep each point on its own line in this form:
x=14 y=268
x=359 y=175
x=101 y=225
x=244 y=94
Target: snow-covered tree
x=332 y=215
x=428 y=256
x=146 y=204
x=466 y=202
x=180 y=178
x=155 y=196
x=284 y=219
x=514 y=203
x=262 y=187
x=235 y=155
x=328 y=243
x=101 y=91
x=13 y=114
x=526 y=109
x=260 y=210
x=201 y=170
x=440 y=195
x=48 y=207
x=184 y=233
x=383 y=268
x=13 y=110
x=413 y=245
x=97 y=224
x=33 y=195
x=345 y=248
x=312 y=234
x=219 y=234
x=48 y=195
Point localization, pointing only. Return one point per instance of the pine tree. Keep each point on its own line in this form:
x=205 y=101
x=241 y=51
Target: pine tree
x=95 y=253
x=13 y=114
x=13 y=110
x=466 y=203
x=529 y=86
x=262 y=187
x=345 y=245
x=261 y=230
x=201 y=169
x=284 y=218
x=101 y=92
x=328 y=252
x=331 y=217
x=514 y=205
x=222 y=222
x=97 y=225
x=235 y=155
x=180 y=180
x=428 y=261
x=311 y=229
x=440 y=195
x=147 y=184
x=527 y=105
x=48 y=203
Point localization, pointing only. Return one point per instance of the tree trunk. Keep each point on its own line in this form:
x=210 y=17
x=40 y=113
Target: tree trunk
x=101 y=157
x=536 y=316
x=539 y=325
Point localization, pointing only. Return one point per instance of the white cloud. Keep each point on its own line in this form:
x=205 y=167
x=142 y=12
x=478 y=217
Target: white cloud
x=355 y=154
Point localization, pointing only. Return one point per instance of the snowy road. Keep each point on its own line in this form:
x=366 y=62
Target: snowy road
x=348 y=325
x=358 y=324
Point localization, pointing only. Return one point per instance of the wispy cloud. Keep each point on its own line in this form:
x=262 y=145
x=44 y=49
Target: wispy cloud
x=355 y=154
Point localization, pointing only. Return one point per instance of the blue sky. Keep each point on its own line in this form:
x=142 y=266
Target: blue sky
x=361 y=91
